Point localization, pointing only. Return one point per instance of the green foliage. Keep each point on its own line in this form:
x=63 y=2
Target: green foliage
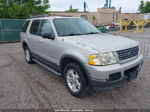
x=94 y=18
x=147 y=7
x=22 y=9
x=144 y=7
x=141 y=6
x=72 y=10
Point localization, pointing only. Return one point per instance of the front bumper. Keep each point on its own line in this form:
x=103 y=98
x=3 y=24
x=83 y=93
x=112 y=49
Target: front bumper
x=104 y=77
x=99 y=85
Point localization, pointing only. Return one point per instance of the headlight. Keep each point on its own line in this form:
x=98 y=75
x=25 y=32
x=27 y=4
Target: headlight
x=139 y=50
x=103 y=59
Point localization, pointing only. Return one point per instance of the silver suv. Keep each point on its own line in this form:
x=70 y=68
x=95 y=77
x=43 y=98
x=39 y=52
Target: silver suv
x=85 y=58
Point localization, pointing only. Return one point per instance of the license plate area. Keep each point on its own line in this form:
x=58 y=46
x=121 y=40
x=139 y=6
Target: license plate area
x=132 y=73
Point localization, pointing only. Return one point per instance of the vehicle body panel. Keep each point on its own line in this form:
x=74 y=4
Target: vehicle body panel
x=80 y=48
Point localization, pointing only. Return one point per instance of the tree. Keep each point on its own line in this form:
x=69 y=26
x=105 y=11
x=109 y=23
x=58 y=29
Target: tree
x=94 y=19
x=72 y=10
x=147 y=7
x=141 y=6
x=144 y=7
x=22 y=8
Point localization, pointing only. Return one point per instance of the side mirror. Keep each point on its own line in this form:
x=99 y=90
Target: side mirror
x=48 y=36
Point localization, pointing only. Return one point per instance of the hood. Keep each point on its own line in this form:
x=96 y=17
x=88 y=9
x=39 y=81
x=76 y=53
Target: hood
x=103 y=42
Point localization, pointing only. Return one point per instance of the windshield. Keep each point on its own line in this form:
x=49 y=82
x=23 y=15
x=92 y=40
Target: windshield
x=74 y=26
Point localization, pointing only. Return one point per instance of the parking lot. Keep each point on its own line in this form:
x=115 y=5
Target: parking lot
x=26 y=86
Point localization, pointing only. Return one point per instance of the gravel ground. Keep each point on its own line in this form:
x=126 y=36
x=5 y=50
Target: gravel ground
x=25 y=86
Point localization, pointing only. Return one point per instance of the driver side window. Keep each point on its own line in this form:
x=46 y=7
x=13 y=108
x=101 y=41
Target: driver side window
x=45 y=27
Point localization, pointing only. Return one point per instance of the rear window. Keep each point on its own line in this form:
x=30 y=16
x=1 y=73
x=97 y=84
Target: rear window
x=25 y=26
x=35 y=27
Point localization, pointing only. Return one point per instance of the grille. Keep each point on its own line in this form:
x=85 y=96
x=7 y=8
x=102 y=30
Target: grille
x=128 y=53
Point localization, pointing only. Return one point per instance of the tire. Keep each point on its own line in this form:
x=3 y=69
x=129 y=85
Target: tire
x=77 y=86
x=28 y=56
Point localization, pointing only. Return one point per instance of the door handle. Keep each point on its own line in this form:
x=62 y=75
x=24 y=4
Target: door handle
x=40 y=41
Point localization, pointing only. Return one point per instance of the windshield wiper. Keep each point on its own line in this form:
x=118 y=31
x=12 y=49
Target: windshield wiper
x=93 y=33
x=72 y=34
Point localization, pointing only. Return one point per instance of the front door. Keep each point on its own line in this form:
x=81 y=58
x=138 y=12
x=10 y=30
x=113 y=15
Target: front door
x=47 y=47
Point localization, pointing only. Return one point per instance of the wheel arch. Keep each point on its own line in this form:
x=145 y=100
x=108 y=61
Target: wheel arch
x=65 y=59
x=24 y=44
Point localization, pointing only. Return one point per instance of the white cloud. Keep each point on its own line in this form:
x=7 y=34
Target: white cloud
x=127 y=5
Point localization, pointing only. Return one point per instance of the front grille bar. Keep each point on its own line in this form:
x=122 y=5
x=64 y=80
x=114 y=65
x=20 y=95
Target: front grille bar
x=128 y=53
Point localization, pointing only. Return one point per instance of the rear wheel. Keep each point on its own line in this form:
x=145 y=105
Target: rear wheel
x=75 y=80
x=28 y=56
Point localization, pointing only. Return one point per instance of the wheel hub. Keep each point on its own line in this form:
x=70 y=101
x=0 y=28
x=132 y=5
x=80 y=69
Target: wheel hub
x=73 y=80
x=27 y=55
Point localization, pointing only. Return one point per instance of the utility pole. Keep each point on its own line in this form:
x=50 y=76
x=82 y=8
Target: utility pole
x=107 y=4
x=110 y=4
x=84 y=5
x=86 y=8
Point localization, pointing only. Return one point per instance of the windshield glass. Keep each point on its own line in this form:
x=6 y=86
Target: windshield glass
x=74 y=26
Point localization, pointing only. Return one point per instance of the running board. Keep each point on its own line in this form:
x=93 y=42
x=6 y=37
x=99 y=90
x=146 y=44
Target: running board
x=55 y=72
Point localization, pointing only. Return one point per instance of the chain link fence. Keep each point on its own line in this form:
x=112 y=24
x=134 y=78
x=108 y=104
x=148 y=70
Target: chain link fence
x=10 y=29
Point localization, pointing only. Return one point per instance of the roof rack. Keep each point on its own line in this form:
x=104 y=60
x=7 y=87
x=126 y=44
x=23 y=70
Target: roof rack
x=38 y=16
x=62 y=15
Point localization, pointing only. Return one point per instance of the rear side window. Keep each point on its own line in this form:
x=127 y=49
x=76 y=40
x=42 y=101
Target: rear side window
x=34 y=27
x=25 y=26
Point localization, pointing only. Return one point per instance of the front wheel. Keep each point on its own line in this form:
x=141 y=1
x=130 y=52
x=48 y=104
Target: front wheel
x=75 y=80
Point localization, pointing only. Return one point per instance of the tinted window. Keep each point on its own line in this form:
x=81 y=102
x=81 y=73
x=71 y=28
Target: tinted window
x=25 y=26
x=45 y=27
x=35 y=27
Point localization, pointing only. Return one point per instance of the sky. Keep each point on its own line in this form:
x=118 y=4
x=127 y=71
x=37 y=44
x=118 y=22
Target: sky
x=128 y=6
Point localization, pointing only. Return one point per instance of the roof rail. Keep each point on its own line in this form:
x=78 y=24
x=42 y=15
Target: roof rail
x=38 y=16
x=62 y=15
